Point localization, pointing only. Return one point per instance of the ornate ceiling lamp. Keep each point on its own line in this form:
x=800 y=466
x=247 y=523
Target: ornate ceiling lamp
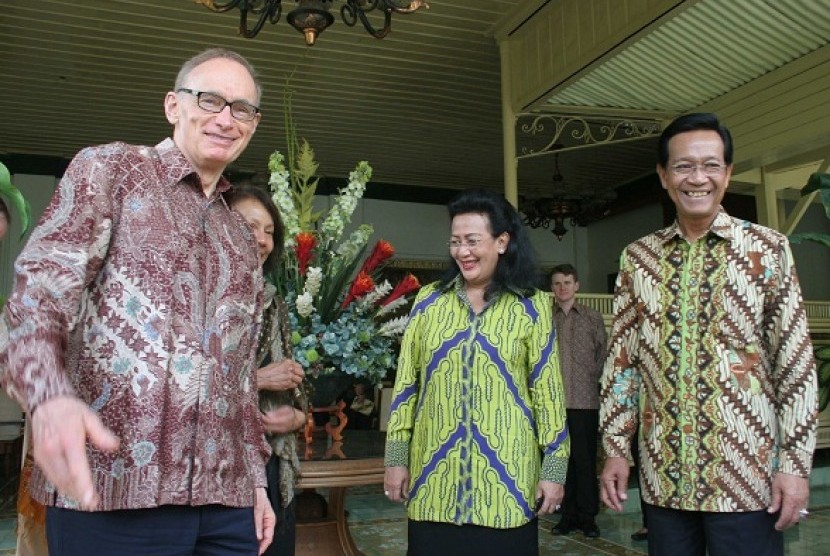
x=552 y=212
x=312 y=17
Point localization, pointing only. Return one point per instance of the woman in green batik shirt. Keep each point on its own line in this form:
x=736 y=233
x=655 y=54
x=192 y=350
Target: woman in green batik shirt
x=477 y=445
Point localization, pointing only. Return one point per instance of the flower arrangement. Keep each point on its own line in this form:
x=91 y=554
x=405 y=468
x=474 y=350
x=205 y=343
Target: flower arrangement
x=343 y=318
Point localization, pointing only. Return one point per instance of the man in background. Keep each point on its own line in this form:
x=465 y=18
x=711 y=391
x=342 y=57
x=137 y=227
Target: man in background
x=581 y=335
x=131 y=332
x=710 y=357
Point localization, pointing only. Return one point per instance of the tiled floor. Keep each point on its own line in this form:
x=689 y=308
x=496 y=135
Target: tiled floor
x=379 y=526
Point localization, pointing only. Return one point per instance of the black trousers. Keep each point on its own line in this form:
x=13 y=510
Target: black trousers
x=285 y=534
x=581 y=502
x=428 y=538
x=635 y=455
x=163 y=531
x=684 y=533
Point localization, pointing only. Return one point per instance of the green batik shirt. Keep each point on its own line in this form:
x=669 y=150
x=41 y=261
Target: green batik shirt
x=478 y=410
x=710 y=356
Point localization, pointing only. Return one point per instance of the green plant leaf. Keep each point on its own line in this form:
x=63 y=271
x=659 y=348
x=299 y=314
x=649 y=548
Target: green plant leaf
x=816 y=182
x=819 y=182
x=824 y=374
x=823 y=353
x=18 y=203
x=816 y=237
x=824 y=398
x=825 y=200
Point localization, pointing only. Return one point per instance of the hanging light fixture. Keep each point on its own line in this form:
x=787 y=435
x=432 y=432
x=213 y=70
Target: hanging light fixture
x=552 y=212
x=312 y=17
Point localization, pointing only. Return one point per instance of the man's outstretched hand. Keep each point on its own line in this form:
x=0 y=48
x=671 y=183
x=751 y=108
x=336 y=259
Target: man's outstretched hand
x=61 y=427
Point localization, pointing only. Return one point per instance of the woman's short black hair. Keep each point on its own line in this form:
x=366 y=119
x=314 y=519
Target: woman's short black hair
x=516 y=269
x=242 y=192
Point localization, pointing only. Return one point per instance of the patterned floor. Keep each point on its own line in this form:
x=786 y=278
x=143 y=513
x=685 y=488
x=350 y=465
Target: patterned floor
x=379 y=527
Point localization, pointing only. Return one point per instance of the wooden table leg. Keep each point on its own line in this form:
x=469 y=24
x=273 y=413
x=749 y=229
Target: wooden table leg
x=330 y=535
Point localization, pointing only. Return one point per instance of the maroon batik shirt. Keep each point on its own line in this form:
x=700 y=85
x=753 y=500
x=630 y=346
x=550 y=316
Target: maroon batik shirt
x=142 y=297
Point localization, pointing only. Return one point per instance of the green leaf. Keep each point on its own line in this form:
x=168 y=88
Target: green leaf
x=824 y=398
x=816 y=182
x=819 y=182
x=823 y=353
x=18 y=203
x=824 y=374
x=825 y=199
x=817 y=237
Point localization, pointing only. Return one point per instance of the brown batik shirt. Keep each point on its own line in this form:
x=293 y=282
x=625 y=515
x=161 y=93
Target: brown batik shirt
x=710 y=354
x=581 y=335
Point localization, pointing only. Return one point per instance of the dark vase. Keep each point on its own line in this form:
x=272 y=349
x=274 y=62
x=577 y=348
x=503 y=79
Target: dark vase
x=328 y=388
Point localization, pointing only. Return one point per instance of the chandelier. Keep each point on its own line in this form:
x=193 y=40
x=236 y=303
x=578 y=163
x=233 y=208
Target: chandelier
x=579 y=209
x=312 y=17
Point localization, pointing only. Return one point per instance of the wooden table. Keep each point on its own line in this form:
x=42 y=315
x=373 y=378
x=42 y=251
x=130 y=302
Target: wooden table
x=336 y=465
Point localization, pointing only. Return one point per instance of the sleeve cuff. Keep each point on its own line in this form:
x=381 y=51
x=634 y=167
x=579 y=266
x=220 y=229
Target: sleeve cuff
x=616 y=446
x=795 y=462
x=397 y=453
x=554 y=469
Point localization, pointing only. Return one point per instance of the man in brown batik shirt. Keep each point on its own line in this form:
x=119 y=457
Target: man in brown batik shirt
x=581 y=335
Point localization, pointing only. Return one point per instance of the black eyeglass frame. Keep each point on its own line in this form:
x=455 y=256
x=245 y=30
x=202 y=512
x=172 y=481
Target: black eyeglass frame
x=198 y=95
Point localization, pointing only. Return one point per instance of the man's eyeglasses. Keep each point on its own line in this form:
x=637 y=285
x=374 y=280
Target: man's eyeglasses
x=471 y=243
x=211 y=102
x=708 y=168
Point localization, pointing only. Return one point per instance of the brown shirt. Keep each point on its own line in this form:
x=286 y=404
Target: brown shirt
x=711 y=358
x=582 y=337
x=142 y=297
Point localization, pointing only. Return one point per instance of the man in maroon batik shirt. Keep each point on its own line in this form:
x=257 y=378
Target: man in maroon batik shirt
x=131 y=332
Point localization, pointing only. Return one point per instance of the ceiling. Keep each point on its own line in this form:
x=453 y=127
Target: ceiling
x=423 y=105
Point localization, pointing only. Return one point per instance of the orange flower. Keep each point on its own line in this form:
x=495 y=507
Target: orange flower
x=306 y=241
x=408 y=284
x=362 y=285
x=382 y=251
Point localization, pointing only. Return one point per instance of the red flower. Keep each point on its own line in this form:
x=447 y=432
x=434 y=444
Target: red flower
x=362 y=285
x=382 y=251
x=306 y=241
x=407 y=285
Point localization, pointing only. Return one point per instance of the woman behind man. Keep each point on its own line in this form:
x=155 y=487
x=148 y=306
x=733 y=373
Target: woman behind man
x=278 y=376
x=477 y=444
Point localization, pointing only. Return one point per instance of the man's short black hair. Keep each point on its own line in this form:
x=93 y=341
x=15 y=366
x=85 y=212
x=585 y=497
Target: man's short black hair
x=694 y=122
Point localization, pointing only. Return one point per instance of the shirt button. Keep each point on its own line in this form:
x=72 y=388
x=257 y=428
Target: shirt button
x=690 y=314
x=693 y=282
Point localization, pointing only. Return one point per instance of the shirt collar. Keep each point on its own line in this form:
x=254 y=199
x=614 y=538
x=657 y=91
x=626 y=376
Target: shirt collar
x=457 y=284
x=721 y=227
x=174 y=167
x=575 y=307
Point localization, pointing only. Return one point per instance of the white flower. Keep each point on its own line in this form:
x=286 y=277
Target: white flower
x=349 y=249
x=380 y=291
x=394 y=327
x=391 y=306
x=313 y=279
x=341 y=213
x=305 y=304
x=282 y=196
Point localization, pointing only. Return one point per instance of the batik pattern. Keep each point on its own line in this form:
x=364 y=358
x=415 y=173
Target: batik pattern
x=711 y=357
x=478 y=412
x=142 y=297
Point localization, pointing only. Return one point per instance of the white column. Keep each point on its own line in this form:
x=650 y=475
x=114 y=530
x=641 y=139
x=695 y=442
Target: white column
x=508 y=126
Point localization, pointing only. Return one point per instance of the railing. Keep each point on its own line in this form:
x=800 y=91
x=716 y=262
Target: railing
x=818 y=312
